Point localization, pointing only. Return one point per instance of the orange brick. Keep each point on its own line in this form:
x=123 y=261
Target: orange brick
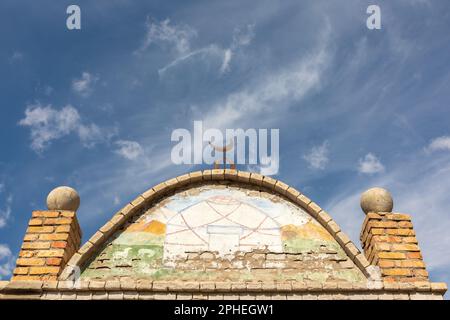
x=405 y=224
x=35 y=222
x=405 y=247
x=383 y=263
x=68 y=214
x=396 y=272
x=46 y=229
x=57 y=221
x=59 y=244
x=414 y=255
x=391 y=255
x=383 y=246
x=53 y=261
x=376 y=231
x=30 y=262
x=382 y=224
x=56 y=253
x=409 y=240
x=54 y=236
x=36 y=245
x=420 y=272
x=412 y=264
x=21 y=270
x=44 y=270
x=398 y=216
x=45 y=214
x=401 y=232
x=62 y=229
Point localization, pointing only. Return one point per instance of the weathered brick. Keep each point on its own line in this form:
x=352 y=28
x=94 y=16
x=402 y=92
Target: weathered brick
x=45 y=214
x=56 y=253
x=396 y=272
x=54 y=236
x=21 y=270
x=46 y=229
x=62 y=229
x=35 y=222
x=30 y=262
x=44 y=270
x=36 y=245
x=59 y=244
x=53 y=261
x=57 y=221
x=391 y=255
x=405 y=247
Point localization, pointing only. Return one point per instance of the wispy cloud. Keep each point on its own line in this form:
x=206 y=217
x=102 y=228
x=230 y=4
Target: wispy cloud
x=178 y=37
x=130 y=150
x=48 y=124
x=84 y=85
x=439 y=144
x=6 y=261
x=370 y=164
x=5 y=211
x=317 y=157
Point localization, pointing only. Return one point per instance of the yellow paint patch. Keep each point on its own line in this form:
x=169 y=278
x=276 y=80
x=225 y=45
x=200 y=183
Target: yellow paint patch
x=154 y=226
x=310 y=230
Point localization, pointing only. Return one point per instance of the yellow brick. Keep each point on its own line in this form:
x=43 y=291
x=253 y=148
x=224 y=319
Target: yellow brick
x=30 y=262
x=398 y=216
x=54 y=236
x=57 y=253
x=420 y=272
x=396 y=272
x=405 y=247
x=31 y=237
x=44 y=270
x=383 y=263
x=57 y=221
x=405 y=224
x=401 y=232
x=46 y=229
x=21 y=270
x=412 y=264
x=62 y=229
x=45 y=214
x=35 y=222
x=409 y=240
x=391 y=255
x=36 y=245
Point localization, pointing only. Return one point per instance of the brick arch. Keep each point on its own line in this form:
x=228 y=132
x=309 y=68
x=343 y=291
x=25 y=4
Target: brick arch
x=157 y=192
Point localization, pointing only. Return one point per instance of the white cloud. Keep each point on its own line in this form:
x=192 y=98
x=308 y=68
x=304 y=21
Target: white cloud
x=84 y=85
x=271 y=95
x=48 y=124
x=317 y=157
x=177 y=36
x=420 y=188
x=6 y=261
x=439 y=144
x=370 y=164
x=5 y=212
x=130 y=150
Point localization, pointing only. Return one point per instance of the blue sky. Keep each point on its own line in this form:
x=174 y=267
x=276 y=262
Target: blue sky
x=94 y=109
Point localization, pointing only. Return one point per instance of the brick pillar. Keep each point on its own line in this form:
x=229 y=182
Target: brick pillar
x=389 y=242
x=50 y=241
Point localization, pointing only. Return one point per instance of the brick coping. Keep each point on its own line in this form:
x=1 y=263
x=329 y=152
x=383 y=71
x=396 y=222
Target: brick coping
x=34 y=286
x=157 y=193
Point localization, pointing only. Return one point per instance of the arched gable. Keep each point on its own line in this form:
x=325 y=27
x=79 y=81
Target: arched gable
x=153 y=197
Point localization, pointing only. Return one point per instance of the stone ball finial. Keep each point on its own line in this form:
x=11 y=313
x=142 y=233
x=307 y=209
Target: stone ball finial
x=376 y=200
x=63 y=198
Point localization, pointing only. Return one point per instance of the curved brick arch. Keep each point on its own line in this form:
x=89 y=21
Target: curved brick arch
x=245 y=178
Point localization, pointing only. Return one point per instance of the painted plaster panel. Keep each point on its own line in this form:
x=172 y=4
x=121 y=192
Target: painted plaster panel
x=217 y=232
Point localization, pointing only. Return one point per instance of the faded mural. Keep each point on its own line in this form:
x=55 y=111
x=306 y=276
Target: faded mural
x=244 y=234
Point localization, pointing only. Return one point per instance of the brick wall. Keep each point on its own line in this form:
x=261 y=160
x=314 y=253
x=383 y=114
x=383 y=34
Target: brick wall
x=52 y=237
x=389 y=241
